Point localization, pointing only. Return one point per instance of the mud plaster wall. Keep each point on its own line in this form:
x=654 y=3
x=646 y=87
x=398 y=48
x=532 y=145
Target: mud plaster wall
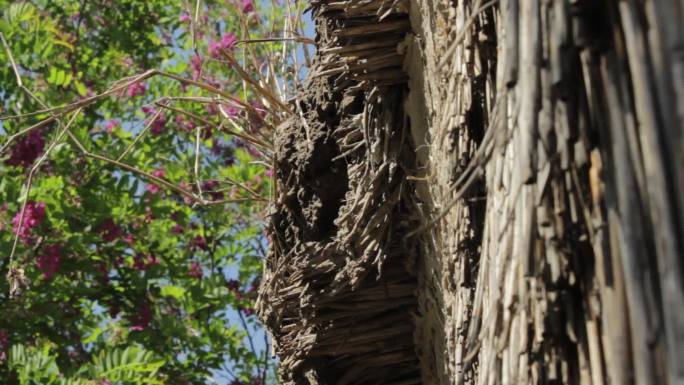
x=546 y=135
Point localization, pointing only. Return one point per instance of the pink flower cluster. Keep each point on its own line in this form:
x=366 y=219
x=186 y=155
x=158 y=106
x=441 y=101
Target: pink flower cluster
x=227 y=42
x=144 y=261
x=195 y=270
x=247 y=6
x=33 y=217
x=230 y=110
x=234 y=286
x=136 y=89
x=177 y=229
x=109 y=230
x=141 y=320
x=49 y=261
x=248 y=311
x=153 y=188
x=158 y=125
x=199 y=242
x=110 y=125
x=184 y=124
x=4 y=345
x=196 y=64
x=211 y=187
x=27 y=150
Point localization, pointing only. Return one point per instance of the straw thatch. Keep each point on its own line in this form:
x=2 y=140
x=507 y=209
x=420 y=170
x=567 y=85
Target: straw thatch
x=553 y=139
x=483 y=192
x=338 y=293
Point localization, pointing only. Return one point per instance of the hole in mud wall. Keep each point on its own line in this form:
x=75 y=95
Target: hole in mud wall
x=332 y=185
x=323 y=197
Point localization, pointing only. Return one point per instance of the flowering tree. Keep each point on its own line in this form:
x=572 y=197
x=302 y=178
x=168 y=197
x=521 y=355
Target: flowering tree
x=134 y=172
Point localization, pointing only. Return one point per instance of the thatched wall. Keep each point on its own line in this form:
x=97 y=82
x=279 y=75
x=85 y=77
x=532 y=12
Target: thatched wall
x=553 y=221
x=483 y=192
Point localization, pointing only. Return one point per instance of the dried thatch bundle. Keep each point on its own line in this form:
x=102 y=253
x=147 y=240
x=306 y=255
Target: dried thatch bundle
x=338 y=295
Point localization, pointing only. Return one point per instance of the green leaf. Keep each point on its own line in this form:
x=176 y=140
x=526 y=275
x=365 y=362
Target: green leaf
x=60 y=77
x=81 y=88
x=93 y=336
x=176 y=292
x=64 y=44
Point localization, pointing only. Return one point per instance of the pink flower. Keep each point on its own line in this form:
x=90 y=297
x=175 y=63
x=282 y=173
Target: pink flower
x=196 y=63
x=247 y=6
x=4 y=345
x=195 y=270
x=177 y=229
x=248 y=311
x=214 y=49
x=153 y=188
x=184 y=124
x=141 y=320
x=227 y=42
x=212 y=109
x=135 y=89
x=158 y=125
x=233 y=285
x=229 y=110
x=144 y=262
x=184 y=17
x=253 y=151
x=109 y=230
x=27 y=150
x=110 y=125
x=49 y=261
x=269 y=172
x=187 y=187
x=199 y=242
x=33 y=216
x=210 y=187
x=129 y=239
